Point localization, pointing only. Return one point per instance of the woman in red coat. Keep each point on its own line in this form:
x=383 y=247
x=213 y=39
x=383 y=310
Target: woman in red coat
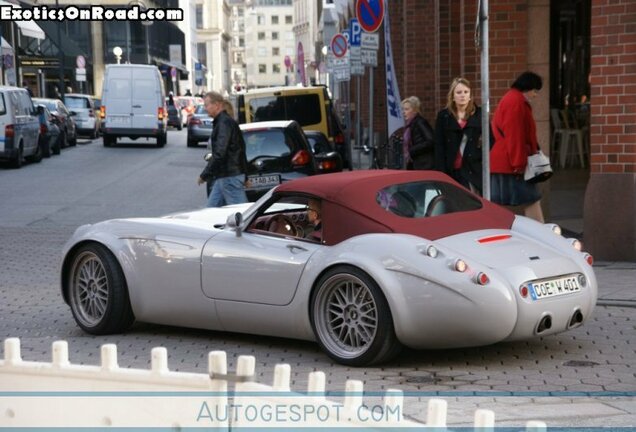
x=515 y=134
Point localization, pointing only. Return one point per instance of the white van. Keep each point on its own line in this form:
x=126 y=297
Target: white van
x=19 y=127
x=133 y=104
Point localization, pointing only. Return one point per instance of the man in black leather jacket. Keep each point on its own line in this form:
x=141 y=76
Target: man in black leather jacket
x=228 y=165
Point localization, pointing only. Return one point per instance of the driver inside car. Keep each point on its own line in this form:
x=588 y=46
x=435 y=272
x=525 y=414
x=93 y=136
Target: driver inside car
x=313 y=216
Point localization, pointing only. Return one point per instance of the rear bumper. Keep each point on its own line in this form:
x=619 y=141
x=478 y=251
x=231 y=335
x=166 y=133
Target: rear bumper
x=134 y=133
x=199 y=134
x=7 y=151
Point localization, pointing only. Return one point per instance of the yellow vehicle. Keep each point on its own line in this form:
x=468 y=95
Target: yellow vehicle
x=311 y=107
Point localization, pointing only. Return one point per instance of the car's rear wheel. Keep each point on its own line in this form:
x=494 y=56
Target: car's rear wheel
x=97 y=291
x=56 y=147
x=109 y=140
x=162 y=139
x=351 y=318
x=37 y=156
x=17 y=162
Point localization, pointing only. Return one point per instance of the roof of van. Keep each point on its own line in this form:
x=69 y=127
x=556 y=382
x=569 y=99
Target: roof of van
x=281 y=89
x=11 y=88
x=128 y=65
x=277 y=124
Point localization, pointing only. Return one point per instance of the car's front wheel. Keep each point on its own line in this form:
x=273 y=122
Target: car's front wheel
x=351 y=318
x=97 y=291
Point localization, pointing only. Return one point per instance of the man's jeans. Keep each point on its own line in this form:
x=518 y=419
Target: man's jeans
x=228 y=190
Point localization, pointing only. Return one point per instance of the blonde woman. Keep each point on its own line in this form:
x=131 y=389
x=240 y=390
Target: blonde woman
x=418 y=145
x=458 y=137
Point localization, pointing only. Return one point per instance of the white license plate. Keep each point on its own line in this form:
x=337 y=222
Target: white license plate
x=118 y=121
x=264 y=181
x=554 y=287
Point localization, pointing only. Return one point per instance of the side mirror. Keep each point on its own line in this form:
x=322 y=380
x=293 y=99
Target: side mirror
x=207 y=157
x=234 y=221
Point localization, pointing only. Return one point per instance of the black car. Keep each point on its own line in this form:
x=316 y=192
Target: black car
x=278 y=151
x=67 y=123
x=49 y=139
x=174 y=115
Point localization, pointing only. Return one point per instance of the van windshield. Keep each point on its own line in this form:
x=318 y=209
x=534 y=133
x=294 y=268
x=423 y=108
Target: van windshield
x=76 y=102
x=305 y=109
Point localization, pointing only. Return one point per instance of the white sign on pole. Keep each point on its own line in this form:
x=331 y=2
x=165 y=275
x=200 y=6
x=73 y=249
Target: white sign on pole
x=174 y=53
x=342 y=68
x=357 y=68
x=369 y=57
x=370 y=41
x=80 y=74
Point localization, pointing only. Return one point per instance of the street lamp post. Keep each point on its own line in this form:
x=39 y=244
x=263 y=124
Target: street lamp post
x=118 y=52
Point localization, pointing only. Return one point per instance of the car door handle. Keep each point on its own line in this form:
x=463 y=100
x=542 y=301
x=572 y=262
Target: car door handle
x=295 y=248
x=136 y=106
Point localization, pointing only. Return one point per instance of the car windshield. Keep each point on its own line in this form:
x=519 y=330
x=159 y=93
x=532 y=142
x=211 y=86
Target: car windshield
x=76 y=102
x=267 y=142
x=426 y=199
x=50 y=104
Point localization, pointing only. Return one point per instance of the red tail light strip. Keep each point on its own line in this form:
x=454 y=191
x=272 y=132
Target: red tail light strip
x=494 y=238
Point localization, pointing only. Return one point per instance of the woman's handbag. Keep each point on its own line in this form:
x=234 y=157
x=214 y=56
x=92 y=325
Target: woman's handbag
x=538 y=168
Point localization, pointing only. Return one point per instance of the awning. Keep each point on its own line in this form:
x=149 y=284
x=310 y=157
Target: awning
x=28 y=28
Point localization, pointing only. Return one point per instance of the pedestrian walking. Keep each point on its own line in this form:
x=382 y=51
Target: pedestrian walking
x=458 y=143
x=228 y=165
x=229 y=109
x=418 y=145
x=515 y=133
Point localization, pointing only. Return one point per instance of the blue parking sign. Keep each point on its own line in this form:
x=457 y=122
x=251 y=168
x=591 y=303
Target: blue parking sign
x=355 y=32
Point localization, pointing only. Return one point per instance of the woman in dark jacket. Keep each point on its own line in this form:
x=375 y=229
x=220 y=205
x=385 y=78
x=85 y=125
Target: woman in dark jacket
x=460 y=122
x=418 y=144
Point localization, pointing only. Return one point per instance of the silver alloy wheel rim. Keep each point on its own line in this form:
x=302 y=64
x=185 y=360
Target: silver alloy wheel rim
x=346 y=315
x=89 y=289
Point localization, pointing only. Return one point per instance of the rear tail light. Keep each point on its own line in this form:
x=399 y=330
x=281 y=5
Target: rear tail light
x=161 y=113
x=194 y=121
x=555 y=229
x=43 y=129
x=431 y=251
x=589 y=259
x=523 y=290
x=576 y=244
x=339 y=138
x=481 y=278
x=9 y=132
x=301 y=158
x=327 y=165
x=102 y=111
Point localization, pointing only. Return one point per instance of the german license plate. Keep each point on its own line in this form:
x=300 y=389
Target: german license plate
x=262 y=182
x=554 y=287
x=118 y=121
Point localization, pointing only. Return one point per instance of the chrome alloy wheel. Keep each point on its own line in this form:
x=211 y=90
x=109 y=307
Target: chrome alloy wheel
x=89 y=289
x=346 y=315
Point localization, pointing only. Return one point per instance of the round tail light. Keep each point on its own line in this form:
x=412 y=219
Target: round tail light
x=523 y=290
x=589 y=259
x=460 y=265
x=482 y=278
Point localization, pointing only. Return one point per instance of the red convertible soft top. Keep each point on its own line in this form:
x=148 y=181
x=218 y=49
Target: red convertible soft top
x=350 y=206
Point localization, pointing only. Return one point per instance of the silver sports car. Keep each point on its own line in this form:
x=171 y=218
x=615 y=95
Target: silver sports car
x=363 y=262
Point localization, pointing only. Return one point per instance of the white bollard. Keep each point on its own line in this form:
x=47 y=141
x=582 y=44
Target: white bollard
x=316 y=384
x=436 y=414
x=536 y=426
x=12 y=351
x=217 y=363
x=60 y=354
x=282 y=377
x=485 y=419
x=353 y=395
x=109 y=357
x=246 y=365
x=159 y=360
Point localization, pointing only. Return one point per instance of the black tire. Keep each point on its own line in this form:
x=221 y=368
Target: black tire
x=94 y=134
x=161 y=140
x=192 y=143
x=46 y=148
x=37 y=156
x=109 y=140
x=180 y=127
x=56 y=147
x=367 y=316
x=97 y=291
x=62 y=139
x=17 y=162
x=73 y=142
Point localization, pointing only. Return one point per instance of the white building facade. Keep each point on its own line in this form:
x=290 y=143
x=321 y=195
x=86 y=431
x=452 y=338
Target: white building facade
x=306 y=17
x=270 y=45
x=213 y=46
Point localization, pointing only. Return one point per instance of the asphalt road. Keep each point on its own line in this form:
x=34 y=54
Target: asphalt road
x=41 y=205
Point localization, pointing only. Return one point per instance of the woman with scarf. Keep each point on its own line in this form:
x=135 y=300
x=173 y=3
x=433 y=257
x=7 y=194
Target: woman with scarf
x=418 y=144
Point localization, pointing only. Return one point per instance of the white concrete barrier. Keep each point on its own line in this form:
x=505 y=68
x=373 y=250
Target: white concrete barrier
x=62 y=394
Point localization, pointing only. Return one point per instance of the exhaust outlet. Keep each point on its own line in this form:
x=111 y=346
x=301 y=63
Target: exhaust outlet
x=577 y=319
x=544 y=324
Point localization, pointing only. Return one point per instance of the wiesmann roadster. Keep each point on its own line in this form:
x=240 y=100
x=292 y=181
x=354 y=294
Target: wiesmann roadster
x=363 y=262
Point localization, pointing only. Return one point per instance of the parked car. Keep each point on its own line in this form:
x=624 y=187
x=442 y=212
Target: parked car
x=133 y=103
x=310 y=106
x=49 y=132
x=405 y=258
x=188 y=105
x=87 y=117
x=19 y=127
x=174 y=115
x=67 y=123
x=277 y=152
x=199 y=126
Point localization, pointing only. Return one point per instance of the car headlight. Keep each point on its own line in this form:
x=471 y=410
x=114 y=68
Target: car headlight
x=432 y=251
x=555 y=229
x=576 y=244
x=460 y=265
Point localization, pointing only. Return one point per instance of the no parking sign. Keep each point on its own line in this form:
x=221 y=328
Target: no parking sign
x=370 y=14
